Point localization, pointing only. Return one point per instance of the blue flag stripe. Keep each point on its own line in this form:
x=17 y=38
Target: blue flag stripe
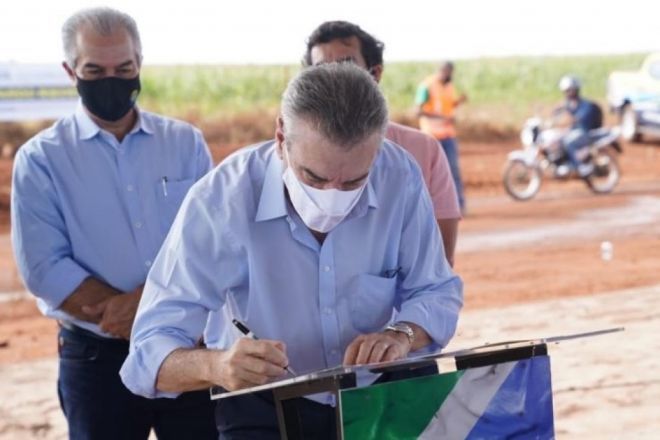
x=522 y=407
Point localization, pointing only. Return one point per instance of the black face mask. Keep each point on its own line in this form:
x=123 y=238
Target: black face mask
x=109 y=98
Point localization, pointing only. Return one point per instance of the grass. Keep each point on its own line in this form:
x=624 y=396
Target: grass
x=213 y=91
x=501 y=91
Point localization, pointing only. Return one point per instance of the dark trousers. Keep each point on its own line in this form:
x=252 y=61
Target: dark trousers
x=98 y=406
x=450 y=147
x=253 y=416
x=574 y=141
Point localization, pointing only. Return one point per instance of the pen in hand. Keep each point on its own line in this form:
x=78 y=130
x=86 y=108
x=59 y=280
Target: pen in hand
x=247 y=332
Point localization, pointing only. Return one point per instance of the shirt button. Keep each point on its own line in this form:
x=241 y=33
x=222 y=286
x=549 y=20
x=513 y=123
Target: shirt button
x=129 y=188
x=327 y=311
x=334 y=352
x=326 y=268
x=147 y=263
x=138 y=225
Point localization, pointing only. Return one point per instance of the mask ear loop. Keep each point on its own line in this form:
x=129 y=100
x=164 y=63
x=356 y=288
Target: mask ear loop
x=285 y=155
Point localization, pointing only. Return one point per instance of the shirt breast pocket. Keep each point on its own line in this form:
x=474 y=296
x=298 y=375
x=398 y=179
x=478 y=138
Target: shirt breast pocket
x=372 y=302
x=170 y=195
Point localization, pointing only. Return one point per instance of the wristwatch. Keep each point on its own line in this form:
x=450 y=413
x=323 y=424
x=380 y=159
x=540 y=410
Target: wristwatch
x=402 y=327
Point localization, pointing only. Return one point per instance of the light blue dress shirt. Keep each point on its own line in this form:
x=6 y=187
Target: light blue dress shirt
x=84 y=204
x=237 y=241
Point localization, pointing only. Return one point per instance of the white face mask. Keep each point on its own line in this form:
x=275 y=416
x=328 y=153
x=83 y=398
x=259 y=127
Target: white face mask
x=320 y=209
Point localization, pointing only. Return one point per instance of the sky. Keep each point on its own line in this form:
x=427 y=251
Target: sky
x=274 y=32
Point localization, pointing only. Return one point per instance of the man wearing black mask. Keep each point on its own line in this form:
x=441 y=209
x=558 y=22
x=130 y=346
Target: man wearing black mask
x=93 y=199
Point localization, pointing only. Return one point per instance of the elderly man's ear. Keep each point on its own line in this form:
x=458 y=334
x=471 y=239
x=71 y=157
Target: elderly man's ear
x=70 y=72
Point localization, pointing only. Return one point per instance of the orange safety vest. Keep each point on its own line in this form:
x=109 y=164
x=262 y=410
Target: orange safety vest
x=441 y=101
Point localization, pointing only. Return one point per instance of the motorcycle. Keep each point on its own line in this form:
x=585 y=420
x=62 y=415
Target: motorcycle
x=543 y=154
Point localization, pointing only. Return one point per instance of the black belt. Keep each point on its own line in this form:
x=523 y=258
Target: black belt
x=82 y=332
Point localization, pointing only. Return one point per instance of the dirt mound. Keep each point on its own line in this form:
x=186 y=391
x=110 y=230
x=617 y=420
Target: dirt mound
x=225 y=135
x=5 y=190
x=247 y=128
x=14 y=134
x=469 y=130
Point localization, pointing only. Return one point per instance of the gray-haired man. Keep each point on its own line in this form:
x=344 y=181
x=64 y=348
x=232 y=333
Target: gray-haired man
x=93 y=198
x=313 y=240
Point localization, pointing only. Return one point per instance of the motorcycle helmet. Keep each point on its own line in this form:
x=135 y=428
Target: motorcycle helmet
x=568 y=82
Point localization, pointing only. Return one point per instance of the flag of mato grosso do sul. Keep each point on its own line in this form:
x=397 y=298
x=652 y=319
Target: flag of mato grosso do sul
x=506 y=400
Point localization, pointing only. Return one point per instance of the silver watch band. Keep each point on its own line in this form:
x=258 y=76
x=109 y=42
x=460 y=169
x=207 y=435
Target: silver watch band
x=402 y=327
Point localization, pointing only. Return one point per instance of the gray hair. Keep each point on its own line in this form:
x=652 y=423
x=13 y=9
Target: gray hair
x=103 y=20
x=341 y=100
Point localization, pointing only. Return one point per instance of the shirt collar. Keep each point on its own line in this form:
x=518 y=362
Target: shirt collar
x=371 y=199
x=272 y=203
x=87 y=128
x=366 y=201
x=144 y=123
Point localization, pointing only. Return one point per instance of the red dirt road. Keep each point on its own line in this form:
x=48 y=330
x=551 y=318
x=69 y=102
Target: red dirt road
x=508 y=252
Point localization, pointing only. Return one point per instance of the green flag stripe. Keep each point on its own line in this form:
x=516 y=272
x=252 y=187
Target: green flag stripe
x=383 y=411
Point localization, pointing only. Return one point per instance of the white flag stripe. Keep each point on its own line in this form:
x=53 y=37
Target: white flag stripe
x=467 y=402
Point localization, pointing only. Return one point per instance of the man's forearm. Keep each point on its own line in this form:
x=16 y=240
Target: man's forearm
x=90 y=292
x=247 y=363
x=449 y=233
x=186 y=369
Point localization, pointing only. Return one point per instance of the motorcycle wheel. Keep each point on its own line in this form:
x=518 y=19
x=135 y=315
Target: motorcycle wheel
x=606 y=173
x=521 y=181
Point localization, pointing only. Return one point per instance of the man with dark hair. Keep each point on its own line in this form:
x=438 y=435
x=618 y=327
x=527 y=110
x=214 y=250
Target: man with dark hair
x=336 y=41
x=93 y=198
x=314 y=240
x=371 y=49
x=437 y=101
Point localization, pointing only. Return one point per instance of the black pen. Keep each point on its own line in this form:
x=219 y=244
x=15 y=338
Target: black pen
x=247 y=332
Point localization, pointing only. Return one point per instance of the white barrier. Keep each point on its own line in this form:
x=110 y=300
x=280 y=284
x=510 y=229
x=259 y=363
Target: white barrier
x=30 y=92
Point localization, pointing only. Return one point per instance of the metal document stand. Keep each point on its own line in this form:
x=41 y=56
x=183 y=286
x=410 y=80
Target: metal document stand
x=287 y=414
x=344 y=378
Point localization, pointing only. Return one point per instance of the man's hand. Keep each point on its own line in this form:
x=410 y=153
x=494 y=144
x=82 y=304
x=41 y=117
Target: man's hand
x=90 y=292
x=248 y=363
x=116 y=314
x=377 y=347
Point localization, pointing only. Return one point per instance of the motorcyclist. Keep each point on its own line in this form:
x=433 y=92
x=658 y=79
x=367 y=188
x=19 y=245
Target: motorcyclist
x=584 y=115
